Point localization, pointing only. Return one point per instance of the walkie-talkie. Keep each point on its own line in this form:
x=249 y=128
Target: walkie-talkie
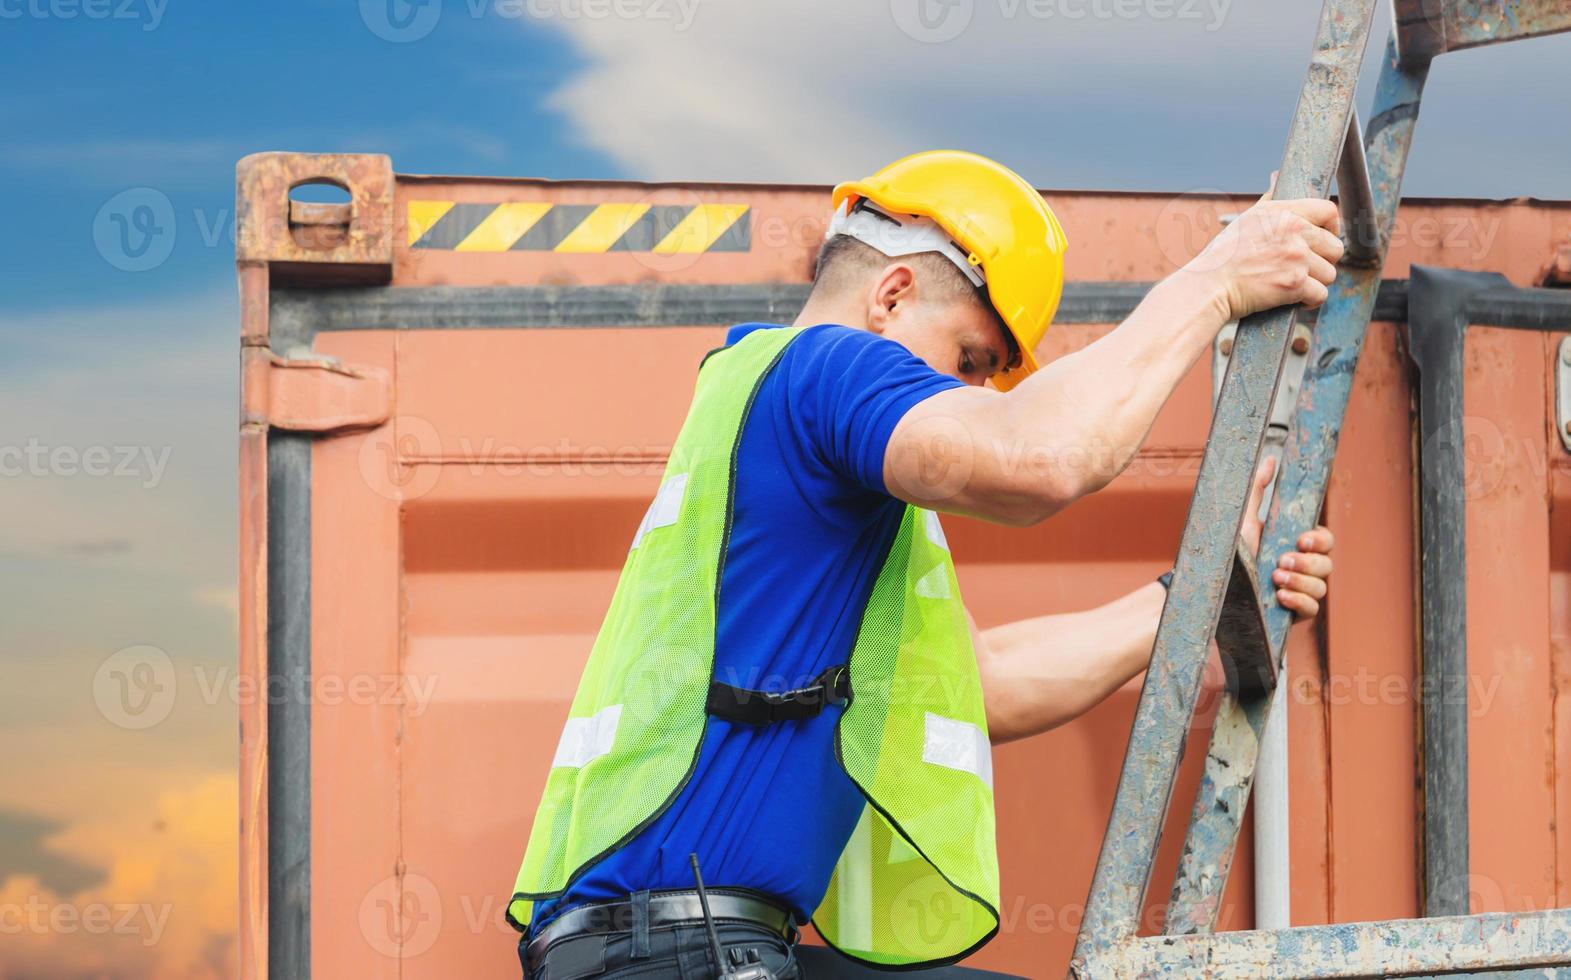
x=743 y=964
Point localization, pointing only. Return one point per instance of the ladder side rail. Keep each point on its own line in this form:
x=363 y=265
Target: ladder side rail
x=1337 y=342
x=1210 y=536
x=1486 y=944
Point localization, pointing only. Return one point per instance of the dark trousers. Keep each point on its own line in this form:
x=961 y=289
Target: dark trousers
x=677 y=952
x=682 y=953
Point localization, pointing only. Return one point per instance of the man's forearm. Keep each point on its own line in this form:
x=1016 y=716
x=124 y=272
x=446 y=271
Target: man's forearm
x=1094 y=408
x=1040 y=673
x=1067 y=430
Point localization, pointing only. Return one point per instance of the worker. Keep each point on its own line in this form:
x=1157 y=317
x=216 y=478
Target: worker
x=787 y=691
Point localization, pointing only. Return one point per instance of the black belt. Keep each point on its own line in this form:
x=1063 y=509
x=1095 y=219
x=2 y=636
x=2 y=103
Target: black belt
x=666 y=909
x=739 y=704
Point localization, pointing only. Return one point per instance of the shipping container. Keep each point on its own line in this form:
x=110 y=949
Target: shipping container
x=458 y=395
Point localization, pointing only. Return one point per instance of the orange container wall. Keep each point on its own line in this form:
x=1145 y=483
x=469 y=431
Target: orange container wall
x=464 y=552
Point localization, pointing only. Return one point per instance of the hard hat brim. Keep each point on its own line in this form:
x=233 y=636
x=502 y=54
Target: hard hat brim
x=1005 y=380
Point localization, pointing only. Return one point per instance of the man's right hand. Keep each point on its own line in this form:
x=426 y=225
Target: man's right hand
x=1274 y=254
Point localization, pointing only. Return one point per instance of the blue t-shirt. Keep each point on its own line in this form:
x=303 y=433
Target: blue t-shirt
x=770 y=808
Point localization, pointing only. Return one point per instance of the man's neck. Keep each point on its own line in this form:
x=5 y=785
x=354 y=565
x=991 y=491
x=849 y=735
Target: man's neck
x=821 y=310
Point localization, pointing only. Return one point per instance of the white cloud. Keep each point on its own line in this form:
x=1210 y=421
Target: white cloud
x=1182 y=94
x=819 y=89
x=167 y=907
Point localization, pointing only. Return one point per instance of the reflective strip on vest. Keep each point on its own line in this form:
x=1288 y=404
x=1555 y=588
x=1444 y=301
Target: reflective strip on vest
x=665 y=509
x=935 y=584
x=935 y=529
x=586 y=739
x=958 y=745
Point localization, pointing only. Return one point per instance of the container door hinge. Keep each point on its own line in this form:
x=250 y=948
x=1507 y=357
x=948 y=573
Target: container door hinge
x=311 y=392
x=1286 y=403
x=1563 y=392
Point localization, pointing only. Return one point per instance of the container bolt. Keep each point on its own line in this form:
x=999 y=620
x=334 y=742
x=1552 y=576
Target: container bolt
x=1227 y=347
x=1565 y=352
x=1300 y=344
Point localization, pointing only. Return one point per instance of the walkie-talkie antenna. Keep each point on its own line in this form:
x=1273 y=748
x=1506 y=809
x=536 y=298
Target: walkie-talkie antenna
x=709 y=920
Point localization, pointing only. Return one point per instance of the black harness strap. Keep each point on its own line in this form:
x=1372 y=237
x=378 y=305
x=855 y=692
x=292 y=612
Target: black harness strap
x=738 y=704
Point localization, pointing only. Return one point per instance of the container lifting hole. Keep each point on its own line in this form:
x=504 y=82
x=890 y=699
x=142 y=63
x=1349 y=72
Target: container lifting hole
x=320 y=210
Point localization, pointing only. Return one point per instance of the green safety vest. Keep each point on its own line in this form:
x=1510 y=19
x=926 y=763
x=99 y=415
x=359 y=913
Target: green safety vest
x=918 y=881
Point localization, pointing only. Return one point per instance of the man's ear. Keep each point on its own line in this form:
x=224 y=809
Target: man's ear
x=896 y=285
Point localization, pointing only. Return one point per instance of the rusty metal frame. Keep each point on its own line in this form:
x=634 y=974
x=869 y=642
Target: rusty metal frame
x=288 y=875
x=299 y=314
x=279 y=240
x=1427 y=28
x=1483 y=944
x=1210 y=540
x=1209 y=599
x=1333 y=357
x=1443 y=303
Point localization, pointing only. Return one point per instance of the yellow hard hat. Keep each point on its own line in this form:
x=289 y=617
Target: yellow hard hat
x=998 y=219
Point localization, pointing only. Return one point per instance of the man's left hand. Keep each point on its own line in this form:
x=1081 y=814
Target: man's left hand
x=1300 y=576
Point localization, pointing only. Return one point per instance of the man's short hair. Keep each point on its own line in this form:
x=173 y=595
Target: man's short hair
x=845 y=263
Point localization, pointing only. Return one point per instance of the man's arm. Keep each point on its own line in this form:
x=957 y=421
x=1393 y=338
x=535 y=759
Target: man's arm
x=1069 y=429
x=1043 y=672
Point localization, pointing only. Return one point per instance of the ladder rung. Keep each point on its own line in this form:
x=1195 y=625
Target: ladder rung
x=1426 y=28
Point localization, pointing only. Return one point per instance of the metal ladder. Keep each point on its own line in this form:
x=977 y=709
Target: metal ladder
x=1221 y=592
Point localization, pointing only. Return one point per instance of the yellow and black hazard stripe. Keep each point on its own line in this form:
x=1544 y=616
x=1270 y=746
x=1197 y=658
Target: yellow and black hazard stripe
x=538 y=226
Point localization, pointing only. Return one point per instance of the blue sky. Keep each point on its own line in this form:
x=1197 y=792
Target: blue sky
x=170 y=96
x=98 y=106
x=93 y=357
